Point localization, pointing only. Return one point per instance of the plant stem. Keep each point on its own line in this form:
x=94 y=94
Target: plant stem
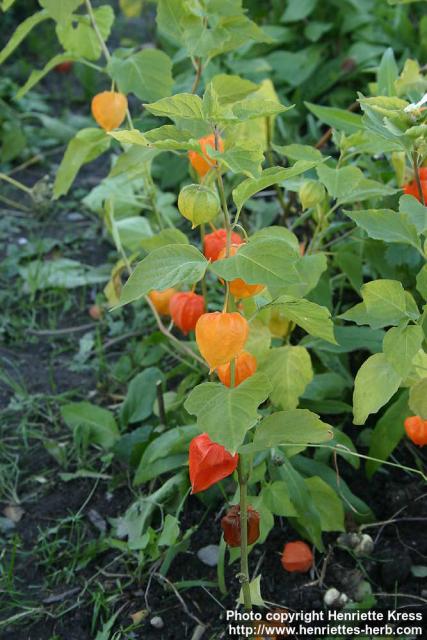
x=244 y=566
x=199 y=69
x=417 y=177
x=203 y=282
x=16 y=184
x=97 y=31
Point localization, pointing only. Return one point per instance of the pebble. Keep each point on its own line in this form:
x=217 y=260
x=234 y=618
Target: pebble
x=157 y=622
x=209 y=555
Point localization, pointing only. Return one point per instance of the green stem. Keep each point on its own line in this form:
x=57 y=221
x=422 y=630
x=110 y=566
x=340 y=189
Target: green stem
x=268 y=124
x=244 y=565
x=16 y=184
x=203 y=282
x=417 y=177
x=97 y=31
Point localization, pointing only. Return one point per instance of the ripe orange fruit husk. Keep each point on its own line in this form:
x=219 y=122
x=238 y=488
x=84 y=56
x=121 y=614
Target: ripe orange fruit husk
x=161 y=300
x=231 y=527
x=297 y=557
x=203 y=163
x=238 y=287
x=416 y=430
x=411 y=188
x=216 y=241
x=109 y=109
x=186 y=308
x=208 y=463
x=245 y=366
x=221 y=336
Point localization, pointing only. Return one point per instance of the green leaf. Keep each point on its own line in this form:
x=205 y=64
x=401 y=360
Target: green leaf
x=308 y=515
x=87 y=145
x=273 y=175
x=274 y=262
x=163 y=268
x=385 y=302
x=98 y=423
x=387 y=74
x=226 y=414
x=130 y=136
x=401 y=345
x=298 y=426
x=300 y=152
x=147 y=74
x=386 y=225
x=246 y=158
x=182 y=105
x=422 y=282
x=313 y=318
x=165 y=446
x=142 y=393
x=163 y=238
x=62 y=273
x=230 y=88
x=289 y=371
x=387 y=433
x=170 y=531
x=298 y=10
x=80 y=39
x=259 y=341
x=328 y=504
x=133 y=231
x=337 y=118
x=339 y=182
x=414 y=211
x=418 y=398
x=277 y=499
x=60 y=10
x=38 y=74
x=21 y=33
x=255 y=591
x=169 y=137
x=252 y=108
x=375 y=383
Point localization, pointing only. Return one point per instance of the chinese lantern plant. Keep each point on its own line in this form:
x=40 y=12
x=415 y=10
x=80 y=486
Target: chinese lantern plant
x=268 y=272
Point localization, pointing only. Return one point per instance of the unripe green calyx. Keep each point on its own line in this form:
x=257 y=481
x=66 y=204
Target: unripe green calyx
x=311 y=193
x=198 y=203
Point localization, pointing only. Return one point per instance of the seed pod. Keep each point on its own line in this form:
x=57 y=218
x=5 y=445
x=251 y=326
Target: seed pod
x=297 y=557
x=311 y=193
x=278 y=324
x=245 y=366
x=209 y=463
x=221 y=336
x=109 y=109
x=185 y=309
x=238 y=287
x=416 y=430
x=198 y=204
x=202 y=163
x=216 y=241
x=161 y=300
x=231 y=526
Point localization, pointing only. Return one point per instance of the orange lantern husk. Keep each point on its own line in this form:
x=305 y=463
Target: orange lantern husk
x=186 y=308
x=161 y=300
x=109 y=109
x=297 y=557
x=231 y=526
x=209 y=463
x=202 y=163
x=216 y=241
x=245 y=366
x=416 y=430
x=221 y=336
